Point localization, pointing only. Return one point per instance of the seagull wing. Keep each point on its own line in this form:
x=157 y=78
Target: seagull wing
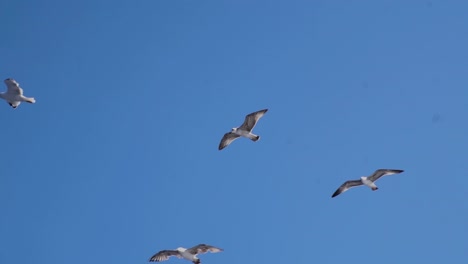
x=13 y=87
x=164 y=255
x=383 y=172
x=345 y=186
x=227 y=139
x=203 y=248
x=252 y=119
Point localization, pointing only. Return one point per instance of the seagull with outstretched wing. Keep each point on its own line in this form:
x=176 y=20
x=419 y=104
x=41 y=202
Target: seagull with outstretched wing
x=188 y=254
x=14 y=94
x=245 y=130
x=368 y=181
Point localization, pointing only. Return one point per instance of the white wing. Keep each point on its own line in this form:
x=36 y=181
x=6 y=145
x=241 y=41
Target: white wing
x=13 y=87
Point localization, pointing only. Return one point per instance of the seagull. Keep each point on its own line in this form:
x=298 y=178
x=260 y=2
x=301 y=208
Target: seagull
x=244 y=130
x=14 y=94
x=188 y=254
x=368 y=181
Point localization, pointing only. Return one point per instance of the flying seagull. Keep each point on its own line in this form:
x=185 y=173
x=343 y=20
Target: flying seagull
x=188 y=254
x=368 y=181
x=14 y=94
x=244 y=130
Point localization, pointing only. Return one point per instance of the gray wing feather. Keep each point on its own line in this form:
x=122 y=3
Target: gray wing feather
x=13 y=87
x=252 y=119
x=203 y=248
x=383 y=172
x=164 y=255
x=346 y=186
x=227 y=139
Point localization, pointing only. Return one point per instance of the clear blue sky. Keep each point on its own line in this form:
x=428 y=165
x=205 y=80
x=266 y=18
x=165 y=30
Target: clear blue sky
x=118 y=158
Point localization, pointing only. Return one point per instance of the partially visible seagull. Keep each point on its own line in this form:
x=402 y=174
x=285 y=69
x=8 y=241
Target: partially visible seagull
x=14 y=94
x=368 y=181
x=244 y=130
x=188 y=254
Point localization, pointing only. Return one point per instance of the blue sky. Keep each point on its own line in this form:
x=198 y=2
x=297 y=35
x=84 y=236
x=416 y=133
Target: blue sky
x=118 y=158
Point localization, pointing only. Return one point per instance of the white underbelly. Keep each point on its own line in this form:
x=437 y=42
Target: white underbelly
x=188 y=256
x=12 y=98
x=242 y=133
x=368 y=183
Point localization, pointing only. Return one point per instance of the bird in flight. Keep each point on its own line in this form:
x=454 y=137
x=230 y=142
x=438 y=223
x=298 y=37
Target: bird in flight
x=188 y=254
x=245 y=130
x=368 y=181
x=14 y=94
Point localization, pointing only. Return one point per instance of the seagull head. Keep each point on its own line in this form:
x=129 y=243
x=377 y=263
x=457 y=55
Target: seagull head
x=181 y=249
x=363 y=178
x=234 y=129
x=9 y=80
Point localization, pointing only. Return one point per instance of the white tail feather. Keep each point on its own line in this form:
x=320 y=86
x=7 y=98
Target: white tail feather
x=30 y=100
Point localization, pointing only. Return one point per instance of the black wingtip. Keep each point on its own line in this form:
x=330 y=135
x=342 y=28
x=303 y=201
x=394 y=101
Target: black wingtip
x=394 y=170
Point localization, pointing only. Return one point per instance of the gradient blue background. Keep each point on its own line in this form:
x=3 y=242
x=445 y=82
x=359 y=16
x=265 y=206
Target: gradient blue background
x=118 y=158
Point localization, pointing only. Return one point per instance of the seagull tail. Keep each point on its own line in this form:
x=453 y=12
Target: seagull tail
x=30 y=100
x=255 y=138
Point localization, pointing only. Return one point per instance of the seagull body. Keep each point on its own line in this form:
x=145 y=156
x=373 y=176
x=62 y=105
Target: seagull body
x=367 y=181
x=245 y=130
x=14 y=94
x=188 y=254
